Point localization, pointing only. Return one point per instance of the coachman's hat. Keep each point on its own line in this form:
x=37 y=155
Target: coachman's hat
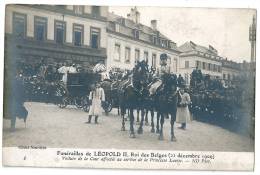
x=163 y=56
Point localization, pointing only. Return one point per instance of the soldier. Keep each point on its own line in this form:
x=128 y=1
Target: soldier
x=163 y=68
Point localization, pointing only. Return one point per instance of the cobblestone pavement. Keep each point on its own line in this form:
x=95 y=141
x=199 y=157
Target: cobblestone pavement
x=50 y=126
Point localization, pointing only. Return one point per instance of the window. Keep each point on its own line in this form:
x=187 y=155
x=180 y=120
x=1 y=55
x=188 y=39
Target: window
x=117 y=27
x=78 y=9
x=164 y=43
x=136 y=33
x=40 y=28
x=219 y=69
x=19 y=25
x=187 y=64
x=203 y=65
x=224 y=76
x=137 y=55
x=209 y=66
x=159 y=41
x=127 y=55
x=154 y=40
x=95 y=11
x=146 y=56
x=78 y=31
x=228 y=76
x=198 y=64
x=215 y=68
x=117 y=52
x=95 y=37
x=60 y=29
x=154 y=60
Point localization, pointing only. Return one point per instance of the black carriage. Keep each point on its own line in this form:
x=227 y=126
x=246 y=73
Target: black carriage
x=77 y=89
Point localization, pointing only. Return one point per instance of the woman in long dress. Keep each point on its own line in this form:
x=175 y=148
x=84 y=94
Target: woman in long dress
x=97 y=96
x=183 y=115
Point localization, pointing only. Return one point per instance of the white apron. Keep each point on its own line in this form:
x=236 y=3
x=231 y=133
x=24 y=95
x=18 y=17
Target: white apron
x=96 y=96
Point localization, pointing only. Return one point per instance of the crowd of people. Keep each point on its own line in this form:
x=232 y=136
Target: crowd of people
x=202 y=88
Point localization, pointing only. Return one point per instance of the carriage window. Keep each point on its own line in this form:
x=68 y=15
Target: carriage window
x=154 y=60
x=19 y=25
x=137 y=55
x=127 y=54
x=78 y=34
x=60 y=28
x=40 y=28
x=117 y=52
x=187 y=64
x=95 y=37
x=146 y=56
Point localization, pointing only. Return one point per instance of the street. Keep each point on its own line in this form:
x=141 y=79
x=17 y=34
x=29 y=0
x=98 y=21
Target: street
x=48 y=125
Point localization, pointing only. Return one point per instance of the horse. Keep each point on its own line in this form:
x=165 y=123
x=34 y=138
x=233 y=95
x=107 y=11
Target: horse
x=130 y=94
x=166 y=103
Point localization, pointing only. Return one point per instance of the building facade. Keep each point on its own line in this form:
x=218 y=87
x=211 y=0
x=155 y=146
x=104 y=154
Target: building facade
x=129 y=41
x=195 y=56
x=230 y=70
x=56 y=33
x=88 y=35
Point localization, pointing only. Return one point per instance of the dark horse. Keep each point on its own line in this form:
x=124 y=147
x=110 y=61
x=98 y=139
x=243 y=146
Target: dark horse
x=166 y=103
x=130 y=93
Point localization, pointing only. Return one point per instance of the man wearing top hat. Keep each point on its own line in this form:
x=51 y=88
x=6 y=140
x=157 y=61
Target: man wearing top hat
x=163 y=68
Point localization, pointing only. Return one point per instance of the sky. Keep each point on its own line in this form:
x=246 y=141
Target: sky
x=226 y=30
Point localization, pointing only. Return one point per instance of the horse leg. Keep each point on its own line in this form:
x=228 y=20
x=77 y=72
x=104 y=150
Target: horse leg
x=140 y=129
x=138 y=111
x=152 y=123
x=132 y=133
x=157 y=122
x=146 y=117
x=161 y=130
x=173 y=138
x=123 y=119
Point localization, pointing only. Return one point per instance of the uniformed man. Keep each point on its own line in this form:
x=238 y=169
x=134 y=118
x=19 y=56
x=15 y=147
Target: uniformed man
x=163 y=68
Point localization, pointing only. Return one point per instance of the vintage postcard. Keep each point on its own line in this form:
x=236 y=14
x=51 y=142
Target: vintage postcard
x=130 y=87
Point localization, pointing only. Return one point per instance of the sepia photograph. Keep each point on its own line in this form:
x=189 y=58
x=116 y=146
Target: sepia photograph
x=129 y=78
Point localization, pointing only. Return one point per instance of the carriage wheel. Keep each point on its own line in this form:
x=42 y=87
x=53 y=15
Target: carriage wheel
x=63 y=103
x=108 y=107
x=86 y=107
x=78 y=102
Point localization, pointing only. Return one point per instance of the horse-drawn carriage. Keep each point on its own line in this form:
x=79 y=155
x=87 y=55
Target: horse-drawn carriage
x=77 y=89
